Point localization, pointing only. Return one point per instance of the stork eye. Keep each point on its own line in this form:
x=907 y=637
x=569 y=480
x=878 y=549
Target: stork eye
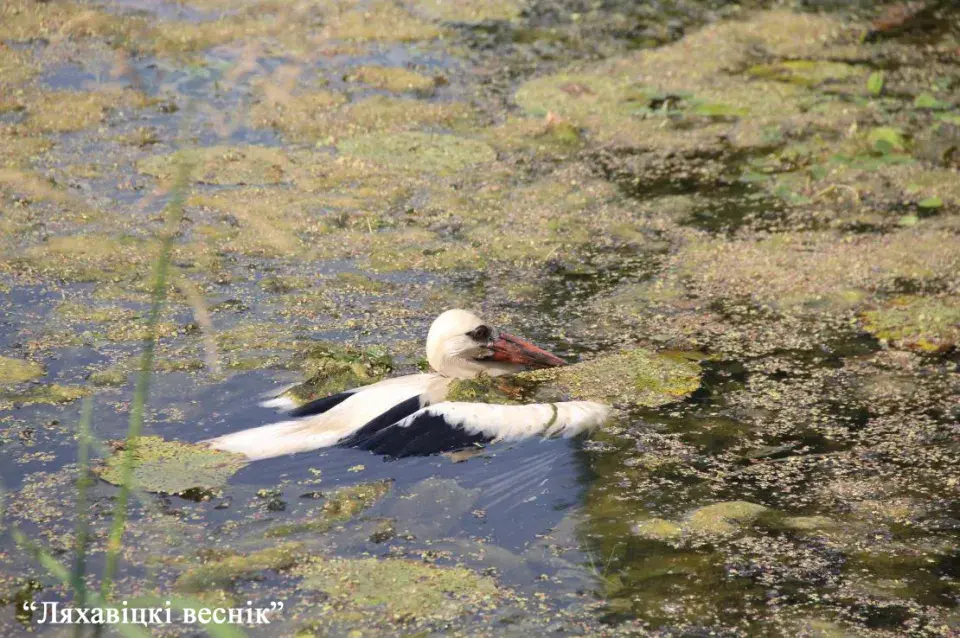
x=480 y=333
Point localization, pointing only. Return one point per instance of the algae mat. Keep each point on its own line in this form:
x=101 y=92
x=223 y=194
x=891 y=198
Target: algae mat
x=169 y=467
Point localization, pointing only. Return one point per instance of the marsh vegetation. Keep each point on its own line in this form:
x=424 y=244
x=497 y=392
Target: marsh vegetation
x=204 y=199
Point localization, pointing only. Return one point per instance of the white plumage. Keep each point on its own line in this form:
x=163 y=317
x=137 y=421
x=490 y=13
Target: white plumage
x=515 y=422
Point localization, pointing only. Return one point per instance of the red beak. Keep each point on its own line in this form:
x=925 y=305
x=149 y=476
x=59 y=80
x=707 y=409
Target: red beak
x=511 y=349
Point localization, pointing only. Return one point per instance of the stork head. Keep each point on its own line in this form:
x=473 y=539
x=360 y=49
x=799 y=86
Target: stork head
x=461 y=345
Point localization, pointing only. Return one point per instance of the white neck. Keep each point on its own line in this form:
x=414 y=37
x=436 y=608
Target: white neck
x=460 y=368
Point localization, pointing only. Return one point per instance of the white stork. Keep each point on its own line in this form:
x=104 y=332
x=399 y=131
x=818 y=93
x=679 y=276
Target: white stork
x=408 y=416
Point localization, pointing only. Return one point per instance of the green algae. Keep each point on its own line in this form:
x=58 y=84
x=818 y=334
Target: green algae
x=334 y=369
x=499 y=223
x=470 y=11
x=671 y=98
x=81 y=313
x=380 y=21
x=18 y=149
x=114 y=323
x=636 y=377
x=721 y=519
x=17 y=370
x=394 y=79
x=88 y=257
x=339 y=506
x=806 y=270
x=176 y=38
x=16 y=66
x=257 y=337
x=53 y=393
x=43 y=501
x=171 y=467
x=325 y=116
x=886 y=139
x=226 y=571
x=118 y=373
x=67 y=111
x=358 y=282
x=397 y=589
x=710 y=521
x=298 y=115
x=255 y=221
x=110 y=377
x=22 y=20
x=226 y=165
x=658 y=529
x=543 y=136
x=421 y=152
x=485 y=389
x=807 y=72
x=925 y=324
x=578 y=96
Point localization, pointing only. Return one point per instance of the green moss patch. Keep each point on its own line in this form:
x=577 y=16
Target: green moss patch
x=398 y=589
x=711 y=521
x=302 y=116
x=812 y=271
x=470 y=11
x=541 y=135
x=338 y=507
x=80 y=313
x=226 y=571
x=421 y=152
x=674 y=98
x=66 y=111
x=485 y=389
x=637 y=377
x=49 y=393
x=807 y=72
x=17 y=370
x=170 y=467
x=225 y=165
x=16 y=66
x=18 y=150
x=88 y=257
x=925 y=324
x=658 y=529
x=808 y=523
x=395 y=79
x=327 y=119
x=380 y=21
x=721 y=519
x=334 y=369
x=111 y=377
x=581 y=95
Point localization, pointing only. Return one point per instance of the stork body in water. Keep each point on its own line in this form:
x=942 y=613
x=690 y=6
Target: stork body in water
x=411 y=415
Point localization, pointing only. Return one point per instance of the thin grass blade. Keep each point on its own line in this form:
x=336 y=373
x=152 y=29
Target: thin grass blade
x=142 y=389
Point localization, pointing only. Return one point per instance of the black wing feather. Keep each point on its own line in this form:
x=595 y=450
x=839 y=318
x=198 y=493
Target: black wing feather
x=424 y=435
x=400 y=411
x=319 y=406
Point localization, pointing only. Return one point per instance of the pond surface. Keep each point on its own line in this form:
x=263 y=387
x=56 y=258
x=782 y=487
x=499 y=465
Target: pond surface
x=764 y=191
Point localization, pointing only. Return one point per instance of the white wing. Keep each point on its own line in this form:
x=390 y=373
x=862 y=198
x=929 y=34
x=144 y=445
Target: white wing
x=513 y=422
x=392 y=398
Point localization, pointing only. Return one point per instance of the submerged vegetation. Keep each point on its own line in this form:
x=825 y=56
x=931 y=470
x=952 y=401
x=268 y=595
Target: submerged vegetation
x=738 y=220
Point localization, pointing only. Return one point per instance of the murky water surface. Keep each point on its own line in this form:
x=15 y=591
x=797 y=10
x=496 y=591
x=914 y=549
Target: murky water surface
x=765 y=192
